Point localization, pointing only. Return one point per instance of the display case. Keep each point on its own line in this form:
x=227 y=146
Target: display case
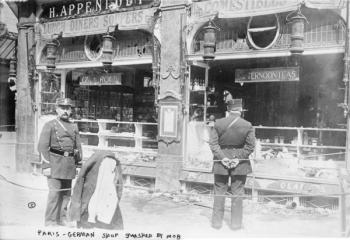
x=297 y=151
x=144 y=107
x=201 y=104
x=132 y=139
x=103 y=102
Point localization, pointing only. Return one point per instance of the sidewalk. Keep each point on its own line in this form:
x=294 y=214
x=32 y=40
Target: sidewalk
x=149 y=213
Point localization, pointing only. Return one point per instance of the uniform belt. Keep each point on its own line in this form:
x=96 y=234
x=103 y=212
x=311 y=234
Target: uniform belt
x=61 y=152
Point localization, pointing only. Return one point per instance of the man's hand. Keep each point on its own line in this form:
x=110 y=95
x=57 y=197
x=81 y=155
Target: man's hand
x=233 y=163
x=226 y=162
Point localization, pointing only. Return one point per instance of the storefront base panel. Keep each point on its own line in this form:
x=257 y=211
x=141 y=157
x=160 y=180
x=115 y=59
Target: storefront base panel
x=8 y=149
x=168 y=172
x=286 y=190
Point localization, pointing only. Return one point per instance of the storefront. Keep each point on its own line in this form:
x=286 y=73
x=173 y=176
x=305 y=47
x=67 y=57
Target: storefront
x=291 y=94
x=153 y=103
x=104 y=63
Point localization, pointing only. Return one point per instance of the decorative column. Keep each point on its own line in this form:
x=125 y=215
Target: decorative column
x=170 y=145
x=25 y=120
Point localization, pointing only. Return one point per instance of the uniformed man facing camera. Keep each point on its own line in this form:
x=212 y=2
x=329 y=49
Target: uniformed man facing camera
x=60 y=150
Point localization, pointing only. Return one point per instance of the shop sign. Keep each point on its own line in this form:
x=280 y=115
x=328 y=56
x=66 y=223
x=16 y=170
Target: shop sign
x=82 y=7
x=138 y=19
x=286 y=74
x=297 y=187
x=290 y=186
x=103 y=79
x=241 y=8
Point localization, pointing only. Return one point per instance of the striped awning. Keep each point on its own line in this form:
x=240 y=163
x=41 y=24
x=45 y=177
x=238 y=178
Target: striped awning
x=7 y=47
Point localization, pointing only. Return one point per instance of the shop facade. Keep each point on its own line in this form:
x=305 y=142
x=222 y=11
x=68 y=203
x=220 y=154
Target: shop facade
x=143 y=89
x=102 y=57
x=285 y=61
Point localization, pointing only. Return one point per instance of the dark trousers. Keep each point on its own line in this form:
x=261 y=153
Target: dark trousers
x=220 y=189
x=57 y=201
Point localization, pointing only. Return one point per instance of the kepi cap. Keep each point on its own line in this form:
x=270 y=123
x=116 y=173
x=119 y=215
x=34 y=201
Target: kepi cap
x=235 y=104
x=64 y=102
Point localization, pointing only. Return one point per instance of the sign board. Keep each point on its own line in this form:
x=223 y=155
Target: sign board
x=91 y=7
x=290 y=186
x=240 y=8
x=168 y=120
x=287 y=74
x=138 y=19
x=102 y=79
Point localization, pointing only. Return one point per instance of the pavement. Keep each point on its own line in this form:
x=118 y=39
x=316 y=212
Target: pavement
x=152 y=215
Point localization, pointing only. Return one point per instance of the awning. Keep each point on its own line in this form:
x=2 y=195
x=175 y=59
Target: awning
x=247 y=8
x=325 y=4
x=7 y=48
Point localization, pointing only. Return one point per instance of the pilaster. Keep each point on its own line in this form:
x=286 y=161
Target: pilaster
x=25 y=113
x=169 y=164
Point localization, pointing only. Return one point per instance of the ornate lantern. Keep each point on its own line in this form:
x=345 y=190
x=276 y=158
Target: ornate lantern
x=209 y=42
x=12 y=70
x=297 y=32
x=51 y=49
x=12 y=74
x=107 y=50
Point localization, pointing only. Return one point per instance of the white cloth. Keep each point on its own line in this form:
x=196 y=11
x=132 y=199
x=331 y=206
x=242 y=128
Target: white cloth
x=104 y=200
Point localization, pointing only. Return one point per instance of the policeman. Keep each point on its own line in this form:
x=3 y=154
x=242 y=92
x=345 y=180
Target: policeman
x=60 y=148
x=232 y=140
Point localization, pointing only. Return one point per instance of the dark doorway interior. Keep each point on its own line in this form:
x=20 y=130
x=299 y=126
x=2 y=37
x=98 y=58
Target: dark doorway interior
x=7 y=101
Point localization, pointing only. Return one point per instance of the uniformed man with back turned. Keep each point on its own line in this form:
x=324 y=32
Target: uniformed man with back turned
x=232 y=140
x=60 y=150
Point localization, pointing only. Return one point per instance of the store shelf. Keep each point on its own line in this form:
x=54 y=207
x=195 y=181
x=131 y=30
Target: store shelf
x=301 y=146
x=124 y=136
x=47 y=92
x=134 y=135
x=121 y=149
x=197 y=105
x=88 y=133
x=279 y=144
x=199 y=90
x=302 y=128
x=322 y=147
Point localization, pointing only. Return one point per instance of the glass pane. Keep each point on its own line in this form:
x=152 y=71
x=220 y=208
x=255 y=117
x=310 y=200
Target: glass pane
x=50 y=91
x=199 y=155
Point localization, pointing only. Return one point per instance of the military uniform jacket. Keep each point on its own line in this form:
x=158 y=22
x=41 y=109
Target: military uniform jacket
x=66 y=138
x=236 y=141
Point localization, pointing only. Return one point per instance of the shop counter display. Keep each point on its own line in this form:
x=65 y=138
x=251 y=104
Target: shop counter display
x=299 y=152
x=132 y=141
